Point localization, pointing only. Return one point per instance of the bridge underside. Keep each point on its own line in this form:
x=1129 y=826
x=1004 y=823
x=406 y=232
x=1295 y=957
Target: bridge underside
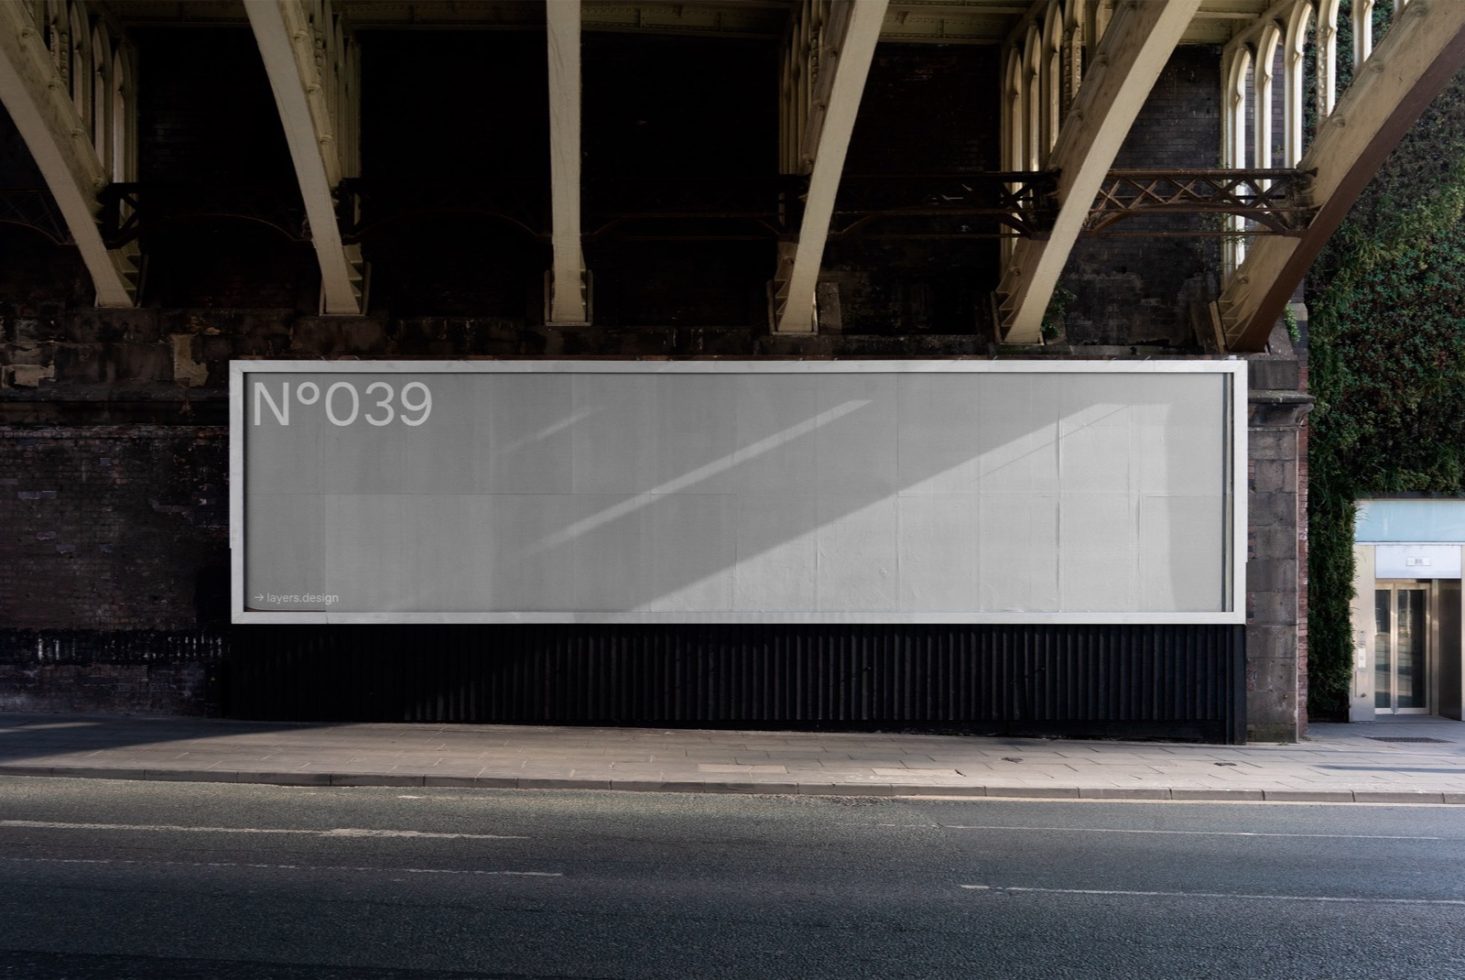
x=373 y=179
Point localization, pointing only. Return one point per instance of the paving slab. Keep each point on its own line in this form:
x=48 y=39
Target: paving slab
x=1337 y=763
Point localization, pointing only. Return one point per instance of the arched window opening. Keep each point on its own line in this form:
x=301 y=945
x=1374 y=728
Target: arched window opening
x=1264 y=73
x=1362 y=31
x=1033 y=96
x=101 y=95
x=124 y=116
x=1075 y=48
x=1234 y=119
x=79 y=80
x=1385 y=16
x=1013 y=112
x=56 y=25
x=1053 y=77
x=1294 y=65
x=1099 y=14
x=350 y=110
x=1327 y=58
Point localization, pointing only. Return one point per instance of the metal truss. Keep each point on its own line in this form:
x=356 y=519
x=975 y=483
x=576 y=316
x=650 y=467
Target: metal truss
x=1024 y=202
x=1277 y=201
x=934 y=205
x=33 y=208
x=714 y=208
x=613 y=208
x=366 y=207
x=128 y=210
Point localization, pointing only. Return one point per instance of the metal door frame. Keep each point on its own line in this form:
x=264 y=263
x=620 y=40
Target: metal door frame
x=1394 y=587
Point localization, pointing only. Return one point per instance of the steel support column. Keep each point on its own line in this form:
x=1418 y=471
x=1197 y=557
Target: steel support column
x=567 y=293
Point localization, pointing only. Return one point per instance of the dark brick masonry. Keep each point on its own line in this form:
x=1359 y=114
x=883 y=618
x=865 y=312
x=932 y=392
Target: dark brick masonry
x=113 y=527
x=1119 y=290
x=113 y=568
x=94 y=671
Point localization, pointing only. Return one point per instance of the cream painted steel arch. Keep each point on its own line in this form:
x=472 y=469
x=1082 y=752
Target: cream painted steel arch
x=1422 y=51
x=1135 y=48
x=855 y=27
x=286 y=35
x=46 y=86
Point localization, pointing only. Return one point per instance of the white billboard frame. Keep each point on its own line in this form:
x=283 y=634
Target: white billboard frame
x=1234 y=371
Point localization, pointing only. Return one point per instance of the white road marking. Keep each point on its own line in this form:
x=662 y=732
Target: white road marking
x=287 y=867
x=1196 y=833
x=174 y=828
x=1348 y=899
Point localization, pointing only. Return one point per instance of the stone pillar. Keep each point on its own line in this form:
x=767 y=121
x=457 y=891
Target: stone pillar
x=1276 y=566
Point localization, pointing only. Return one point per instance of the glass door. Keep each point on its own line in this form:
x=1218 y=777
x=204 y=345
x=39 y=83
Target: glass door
x=1401 y=638
x=1383 y=650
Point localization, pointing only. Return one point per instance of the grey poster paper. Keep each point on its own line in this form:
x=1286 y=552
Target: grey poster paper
x=735 y=491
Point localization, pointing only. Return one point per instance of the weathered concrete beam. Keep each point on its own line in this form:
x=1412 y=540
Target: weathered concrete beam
x=1131 y=55
x=855 y=29
x=287 y=46
x=59 y=140
x=1410 y=66
x=567 y=300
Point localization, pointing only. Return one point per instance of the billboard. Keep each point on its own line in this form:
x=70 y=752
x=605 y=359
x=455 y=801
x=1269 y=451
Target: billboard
x=738 y=491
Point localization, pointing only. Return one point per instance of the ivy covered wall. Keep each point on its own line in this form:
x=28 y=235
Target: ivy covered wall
x=1387 y=365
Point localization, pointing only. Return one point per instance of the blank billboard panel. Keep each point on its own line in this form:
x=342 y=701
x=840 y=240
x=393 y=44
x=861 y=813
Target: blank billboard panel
x=737 y=491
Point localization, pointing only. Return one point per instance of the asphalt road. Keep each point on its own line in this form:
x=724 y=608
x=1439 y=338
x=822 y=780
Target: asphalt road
x=131 y=879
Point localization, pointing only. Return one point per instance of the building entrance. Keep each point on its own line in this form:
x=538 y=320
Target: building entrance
x=1401 y=655
x=1408 y=609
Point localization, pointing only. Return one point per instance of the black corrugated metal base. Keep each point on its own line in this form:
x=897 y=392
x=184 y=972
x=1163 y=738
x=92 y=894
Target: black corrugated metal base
x=1133 y=681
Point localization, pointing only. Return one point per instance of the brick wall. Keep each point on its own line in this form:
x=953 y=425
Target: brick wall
x=205 y=110
x=1121 y=295
x=141 y=672
x=208 y=127
x=114 y=569
x=110 y=531
x=926 y=109
x=113 y=527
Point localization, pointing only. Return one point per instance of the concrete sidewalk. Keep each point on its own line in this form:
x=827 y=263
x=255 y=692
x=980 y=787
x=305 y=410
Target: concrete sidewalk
x=1417 y=760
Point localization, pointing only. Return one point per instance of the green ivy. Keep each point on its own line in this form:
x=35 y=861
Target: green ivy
x=1054 y=318
x=1387 y=366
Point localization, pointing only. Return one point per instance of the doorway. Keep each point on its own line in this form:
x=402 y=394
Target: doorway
x=1401 y=648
